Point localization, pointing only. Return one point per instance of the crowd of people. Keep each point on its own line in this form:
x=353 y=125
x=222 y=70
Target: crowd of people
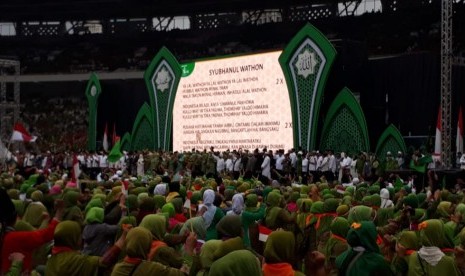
x=228 y=213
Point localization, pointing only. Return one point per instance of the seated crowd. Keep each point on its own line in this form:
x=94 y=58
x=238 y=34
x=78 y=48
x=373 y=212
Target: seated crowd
x=175 y=215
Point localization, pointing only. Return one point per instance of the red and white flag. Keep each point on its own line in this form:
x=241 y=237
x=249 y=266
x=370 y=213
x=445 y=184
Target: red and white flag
x=438 y=140
x=459 y=141
x=105 y=138
x=21 y=134
x=263 y=233
x=113 y=138
x=75 y=171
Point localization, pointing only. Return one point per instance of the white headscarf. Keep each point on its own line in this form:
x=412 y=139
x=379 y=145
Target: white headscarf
x=431 y=254
x=208 y=198
x=160 y=189
x=385 y=201
x=237 y=205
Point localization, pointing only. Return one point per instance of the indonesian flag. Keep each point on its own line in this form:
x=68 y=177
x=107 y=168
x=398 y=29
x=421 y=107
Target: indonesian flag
x=125 y=187
x=75 y=171
x=113 y=138
x=105 y=138
x=459 y=141
x=20 y=134
x=264 y=232
x=438 y=140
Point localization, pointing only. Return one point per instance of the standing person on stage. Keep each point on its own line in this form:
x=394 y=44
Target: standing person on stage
x=279 y=159
x=312 y=164
x=266 y=167
x=331 y=166
x=462 y=162
x=305 y=168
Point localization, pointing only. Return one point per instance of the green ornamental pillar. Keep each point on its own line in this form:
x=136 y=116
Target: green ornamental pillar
x=162 y=79
x=93 y=91
x=306 y=62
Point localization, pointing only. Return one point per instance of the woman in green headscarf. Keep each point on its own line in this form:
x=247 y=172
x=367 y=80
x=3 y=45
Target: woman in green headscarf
x=460 y=251
x=430 y=260
x=95 y=202
x=34 y=215
x=72 y=211
x=159 y=201
x=249 y=218
x=159 y=250
x=407 y=243
x=277 y=217
x=361 y=213
x=444 y=211
x=96 y=234
x=240 y=262
x=336 y=243
x=198 y=225
x=279 y=254
x=138 y=244
x=66 y=258
x=363 y=256
x=207 y=255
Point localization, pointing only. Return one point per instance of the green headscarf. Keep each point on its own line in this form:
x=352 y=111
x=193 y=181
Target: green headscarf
x=432 y=233
x=198 y=224
x=330 y=205
x=230 y=226
x=362 y=263
x=168 y=208
x=33 y=214
x=409 y=240
x=339 y=227
x=156 y=224
x=138 y=243
x=19 y=206
x=359 y=214
x=240 y=262
x=68 y=234
x=207 y=251
x=178 y=205
x=96 y=202
x=132 y=202
x=375 y=200
x=71 y=199
x=228 y=246
x=13 y=193
x=279 y=247
x=317 y=208
x=342 y=210
x=251 y=201
x=273 y=199
x=159 y=201
x=443 y=210
x=95 y=215
x=347 y=200
x=411 y=200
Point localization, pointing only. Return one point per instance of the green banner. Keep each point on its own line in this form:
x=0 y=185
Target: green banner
x=93 y=91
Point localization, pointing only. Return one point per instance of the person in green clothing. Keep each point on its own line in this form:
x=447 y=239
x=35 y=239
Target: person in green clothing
x=406 y=244
x=138 y=244
x=240 y=262
x=277 y=217
x=336 y=243
x=279 y=254
x=72 y=211
x=249 y=216
x=159 y=250
x=66 y=258
x=211 y=214
x=363 y=257
x=430 y=260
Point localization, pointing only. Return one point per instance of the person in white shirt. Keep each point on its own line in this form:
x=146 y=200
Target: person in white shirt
x=140 y=165
x=266 y=168
x=331 y=166
x=293 y=157
x=103 y=162
x=229 y=164
x=324 y=165
x=462 y=162
x=279 y=157
x=305 y=169
x=236 y=171
x=220 y=165
x=312 y=165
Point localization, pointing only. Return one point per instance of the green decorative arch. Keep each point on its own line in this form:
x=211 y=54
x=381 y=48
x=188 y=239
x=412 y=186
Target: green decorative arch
x=306 y=62
x=391 y=140
x=93 y=91
x=162 y=78
x=345 y=127
x=126 y=142
x=142 y=131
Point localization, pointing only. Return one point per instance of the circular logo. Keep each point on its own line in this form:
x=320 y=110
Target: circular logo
x=93 y=90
